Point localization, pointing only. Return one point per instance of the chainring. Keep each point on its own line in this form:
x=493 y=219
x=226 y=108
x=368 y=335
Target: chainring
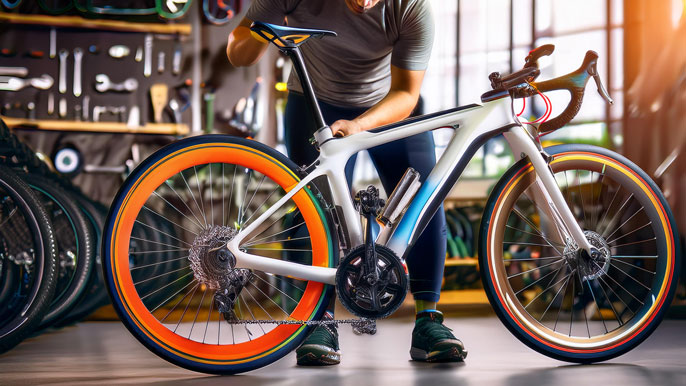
x=358 y=294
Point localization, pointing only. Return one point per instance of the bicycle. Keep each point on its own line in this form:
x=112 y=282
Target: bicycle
x=244 y=283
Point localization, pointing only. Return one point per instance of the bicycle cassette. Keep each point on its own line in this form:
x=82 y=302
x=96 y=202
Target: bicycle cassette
x=365 y=294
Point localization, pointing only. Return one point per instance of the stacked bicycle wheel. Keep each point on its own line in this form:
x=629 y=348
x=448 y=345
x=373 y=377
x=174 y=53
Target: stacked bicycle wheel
x=49 y=232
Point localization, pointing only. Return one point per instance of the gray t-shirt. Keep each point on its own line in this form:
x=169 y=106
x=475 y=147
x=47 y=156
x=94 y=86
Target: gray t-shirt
x=354 y=68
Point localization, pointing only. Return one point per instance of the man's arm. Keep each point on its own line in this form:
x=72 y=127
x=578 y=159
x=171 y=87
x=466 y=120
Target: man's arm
x=242 y=49
x=395 y=106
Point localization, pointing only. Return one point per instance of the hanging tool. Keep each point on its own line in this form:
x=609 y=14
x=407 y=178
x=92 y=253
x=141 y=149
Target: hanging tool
x=147 y=66
x=12 y=83
x=103 y=84
x=78 y=56
x=85 y=106
x=14 y=71
x=159 y=93
x=160 y=62
x=64 y=55
x=51 y=104
x=209 y=111
x=176 y=60
x=139 y=54
x=119 y=51
x=62 y=108
x=53 y=42
x=175 y=108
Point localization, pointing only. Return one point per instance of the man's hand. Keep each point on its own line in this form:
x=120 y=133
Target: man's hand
x=343 y=127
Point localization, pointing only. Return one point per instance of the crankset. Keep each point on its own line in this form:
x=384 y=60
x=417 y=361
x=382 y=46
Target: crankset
x=371 y=280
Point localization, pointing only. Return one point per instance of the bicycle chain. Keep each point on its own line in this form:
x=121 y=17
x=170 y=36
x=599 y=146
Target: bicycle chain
x=360 y=326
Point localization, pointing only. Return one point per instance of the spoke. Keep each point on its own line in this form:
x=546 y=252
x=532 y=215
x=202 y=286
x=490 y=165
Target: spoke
x=581 y=195
x=635 y=242
x=618 y=213
x=185 y=309
x=167 y=285
x=241 y=210
x=155 y=242
x=531 y=224
x=261 y=205
x=163 y=274
x=272 y=300
x=633 y=257
x=555 y=297
x=164 y=233
x=177 y=209
x=197 y=312
x=620 y=286
x=629 y=276
x=209 y=315
x=158 y=263
x=561 y=231
x=280 y=249
x=251 y=314
x=259 y=305
x=252 y=242
x=211 y=201
x=563 y=300
x=608 y=207
x=285 y=281
x=590 y=288
x=240 y=309
x=549 y=286
x=247 y=206
x=192 y=195
x=223 y=192
x=624 y=223
x=535 y=282
x=583 y=308
x=600 y=198
x=278 y=241
x=183 y=200
x=171 y=297
x=534 y=234
x=532 y=259
x=180 y=301
x=627 y=234
x=271 y=285
x=202 y=200
x=637 y=267
x=158 y=251
x=610 y=302
x=170 y=221
x=532 y=244
x=626 y=306
x=228 y=216
x=571 y=308
x=534 y=269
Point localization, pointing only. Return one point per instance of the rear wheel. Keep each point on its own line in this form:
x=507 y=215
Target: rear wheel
x=179 y=294
x=560 y=301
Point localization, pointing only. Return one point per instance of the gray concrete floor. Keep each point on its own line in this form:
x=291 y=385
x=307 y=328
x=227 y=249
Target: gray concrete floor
x=105 y=353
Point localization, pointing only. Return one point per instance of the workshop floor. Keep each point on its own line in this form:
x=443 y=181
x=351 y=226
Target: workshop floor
x=105 y=353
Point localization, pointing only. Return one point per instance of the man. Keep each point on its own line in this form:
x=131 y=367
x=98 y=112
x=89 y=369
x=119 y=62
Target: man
x=367 y=76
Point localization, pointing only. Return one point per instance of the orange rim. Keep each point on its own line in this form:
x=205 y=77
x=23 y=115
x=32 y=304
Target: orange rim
x=136 y=197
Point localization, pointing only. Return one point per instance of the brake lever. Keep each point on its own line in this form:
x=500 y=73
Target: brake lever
x=593 y=71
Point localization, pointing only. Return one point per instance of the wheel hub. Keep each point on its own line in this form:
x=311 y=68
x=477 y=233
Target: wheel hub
x=594 y=265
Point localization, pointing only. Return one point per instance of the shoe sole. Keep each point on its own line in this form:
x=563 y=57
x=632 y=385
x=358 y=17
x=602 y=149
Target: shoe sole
x=452 y=354
x=315 y=355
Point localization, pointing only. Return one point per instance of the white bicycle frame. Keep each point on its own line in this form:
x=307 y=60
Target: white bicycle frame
x=469 y=135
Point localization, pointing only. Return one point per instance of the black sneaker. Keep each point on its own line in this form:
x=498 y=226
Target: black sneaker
x=320 y=348
x=434 y=342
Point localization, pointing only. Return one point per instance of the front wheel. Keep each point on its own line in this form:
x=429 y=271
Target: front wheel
x=560 y=301
x=173 y=282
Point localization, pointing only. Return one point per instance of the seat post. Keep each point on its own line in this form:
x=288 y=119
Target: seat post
x=296 y=57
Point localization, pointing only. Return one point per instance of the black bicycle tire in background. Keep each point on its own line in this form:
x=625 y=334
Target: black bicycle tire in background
x=15 y=328
x=71 y=229
x=95 y=295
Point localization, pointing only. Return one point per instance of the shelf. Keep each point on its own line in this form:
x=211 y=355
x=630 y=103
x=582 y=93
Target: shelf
x=469 y=261
x=101 y=24
x=465 y=296
x=97 y=127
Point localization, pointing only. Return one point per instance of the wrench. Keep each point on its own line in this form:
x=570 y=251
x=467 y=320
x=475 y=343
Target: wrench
x=147 y=66
x=64 y=55
x=78 y=55
x=53 y=42
x=103 y=83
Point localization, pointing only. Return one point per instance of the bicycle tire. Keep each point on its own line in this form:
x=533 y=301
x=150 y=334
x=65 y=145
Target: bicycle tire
x=74 y=242
x=606 y=175
x=15 y=326
x=241 y=162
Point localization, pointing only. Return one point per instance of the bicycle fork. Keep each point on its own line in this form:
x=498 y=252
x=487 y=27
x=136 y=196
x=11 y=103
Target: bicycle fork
x=546 y=189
